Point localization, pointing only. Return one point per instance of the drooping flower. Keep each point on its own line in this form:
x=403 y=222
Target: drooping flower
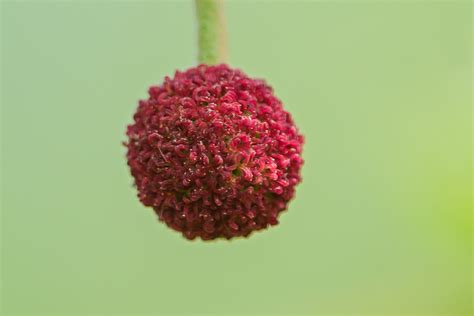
x=214 y=153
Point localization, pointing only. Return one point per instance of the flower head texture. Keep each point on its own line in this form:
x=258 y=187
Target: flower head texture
x=214 y=153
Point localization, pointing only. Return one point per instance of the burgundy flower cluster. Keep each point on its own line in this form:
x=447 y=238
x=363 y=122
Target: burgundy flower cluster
x=214 y=153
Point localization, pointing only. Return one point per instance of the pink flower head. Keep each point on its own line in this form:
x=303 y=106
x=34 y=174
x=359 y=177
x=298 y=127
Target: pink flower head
x=214 y=153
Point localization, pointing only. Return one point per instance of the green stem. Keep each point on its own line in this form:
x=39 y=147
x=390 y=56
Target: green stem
x=212 y=37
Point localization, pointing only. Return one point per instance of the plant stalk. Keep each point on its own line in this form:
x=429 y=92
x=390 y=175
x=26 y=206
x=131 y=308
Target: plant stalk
x=212 y=32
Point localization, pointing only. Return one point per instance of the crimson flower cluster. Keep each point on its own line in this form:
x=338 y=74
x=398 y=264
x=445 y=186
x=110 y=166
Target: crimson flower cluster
x=214 y=153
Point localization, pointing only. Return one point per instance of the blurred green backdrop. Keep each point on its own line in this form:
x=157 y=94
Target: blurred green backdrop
x=381 y=224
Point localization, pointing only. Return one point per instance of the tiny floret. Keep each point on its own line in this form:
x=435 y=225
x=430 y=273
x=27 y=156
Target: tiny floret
x=214 y=153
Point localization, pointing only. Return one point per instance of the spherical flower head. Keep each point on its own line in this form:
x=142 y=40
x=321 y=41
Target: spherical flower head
x=214 y=153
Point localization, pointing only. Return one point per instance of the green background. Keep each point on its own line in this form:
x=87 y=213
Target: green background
x=381 y=223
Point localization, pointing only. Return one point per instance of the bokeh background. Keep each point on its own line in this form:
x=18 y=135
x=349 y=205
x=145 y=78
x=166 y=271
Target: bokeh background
x=381 y=224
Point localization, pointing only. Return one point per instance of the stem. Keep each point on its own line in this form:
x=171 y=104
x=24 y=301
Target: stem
x=212 y=34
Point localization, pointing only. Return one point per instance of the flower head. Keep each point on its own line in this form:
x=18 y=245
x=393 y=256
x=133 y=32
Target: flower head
x=214 y=153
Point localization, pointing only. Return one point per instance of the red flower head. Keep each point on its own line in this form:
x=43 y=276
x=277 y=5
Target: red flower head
x=214 y=153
